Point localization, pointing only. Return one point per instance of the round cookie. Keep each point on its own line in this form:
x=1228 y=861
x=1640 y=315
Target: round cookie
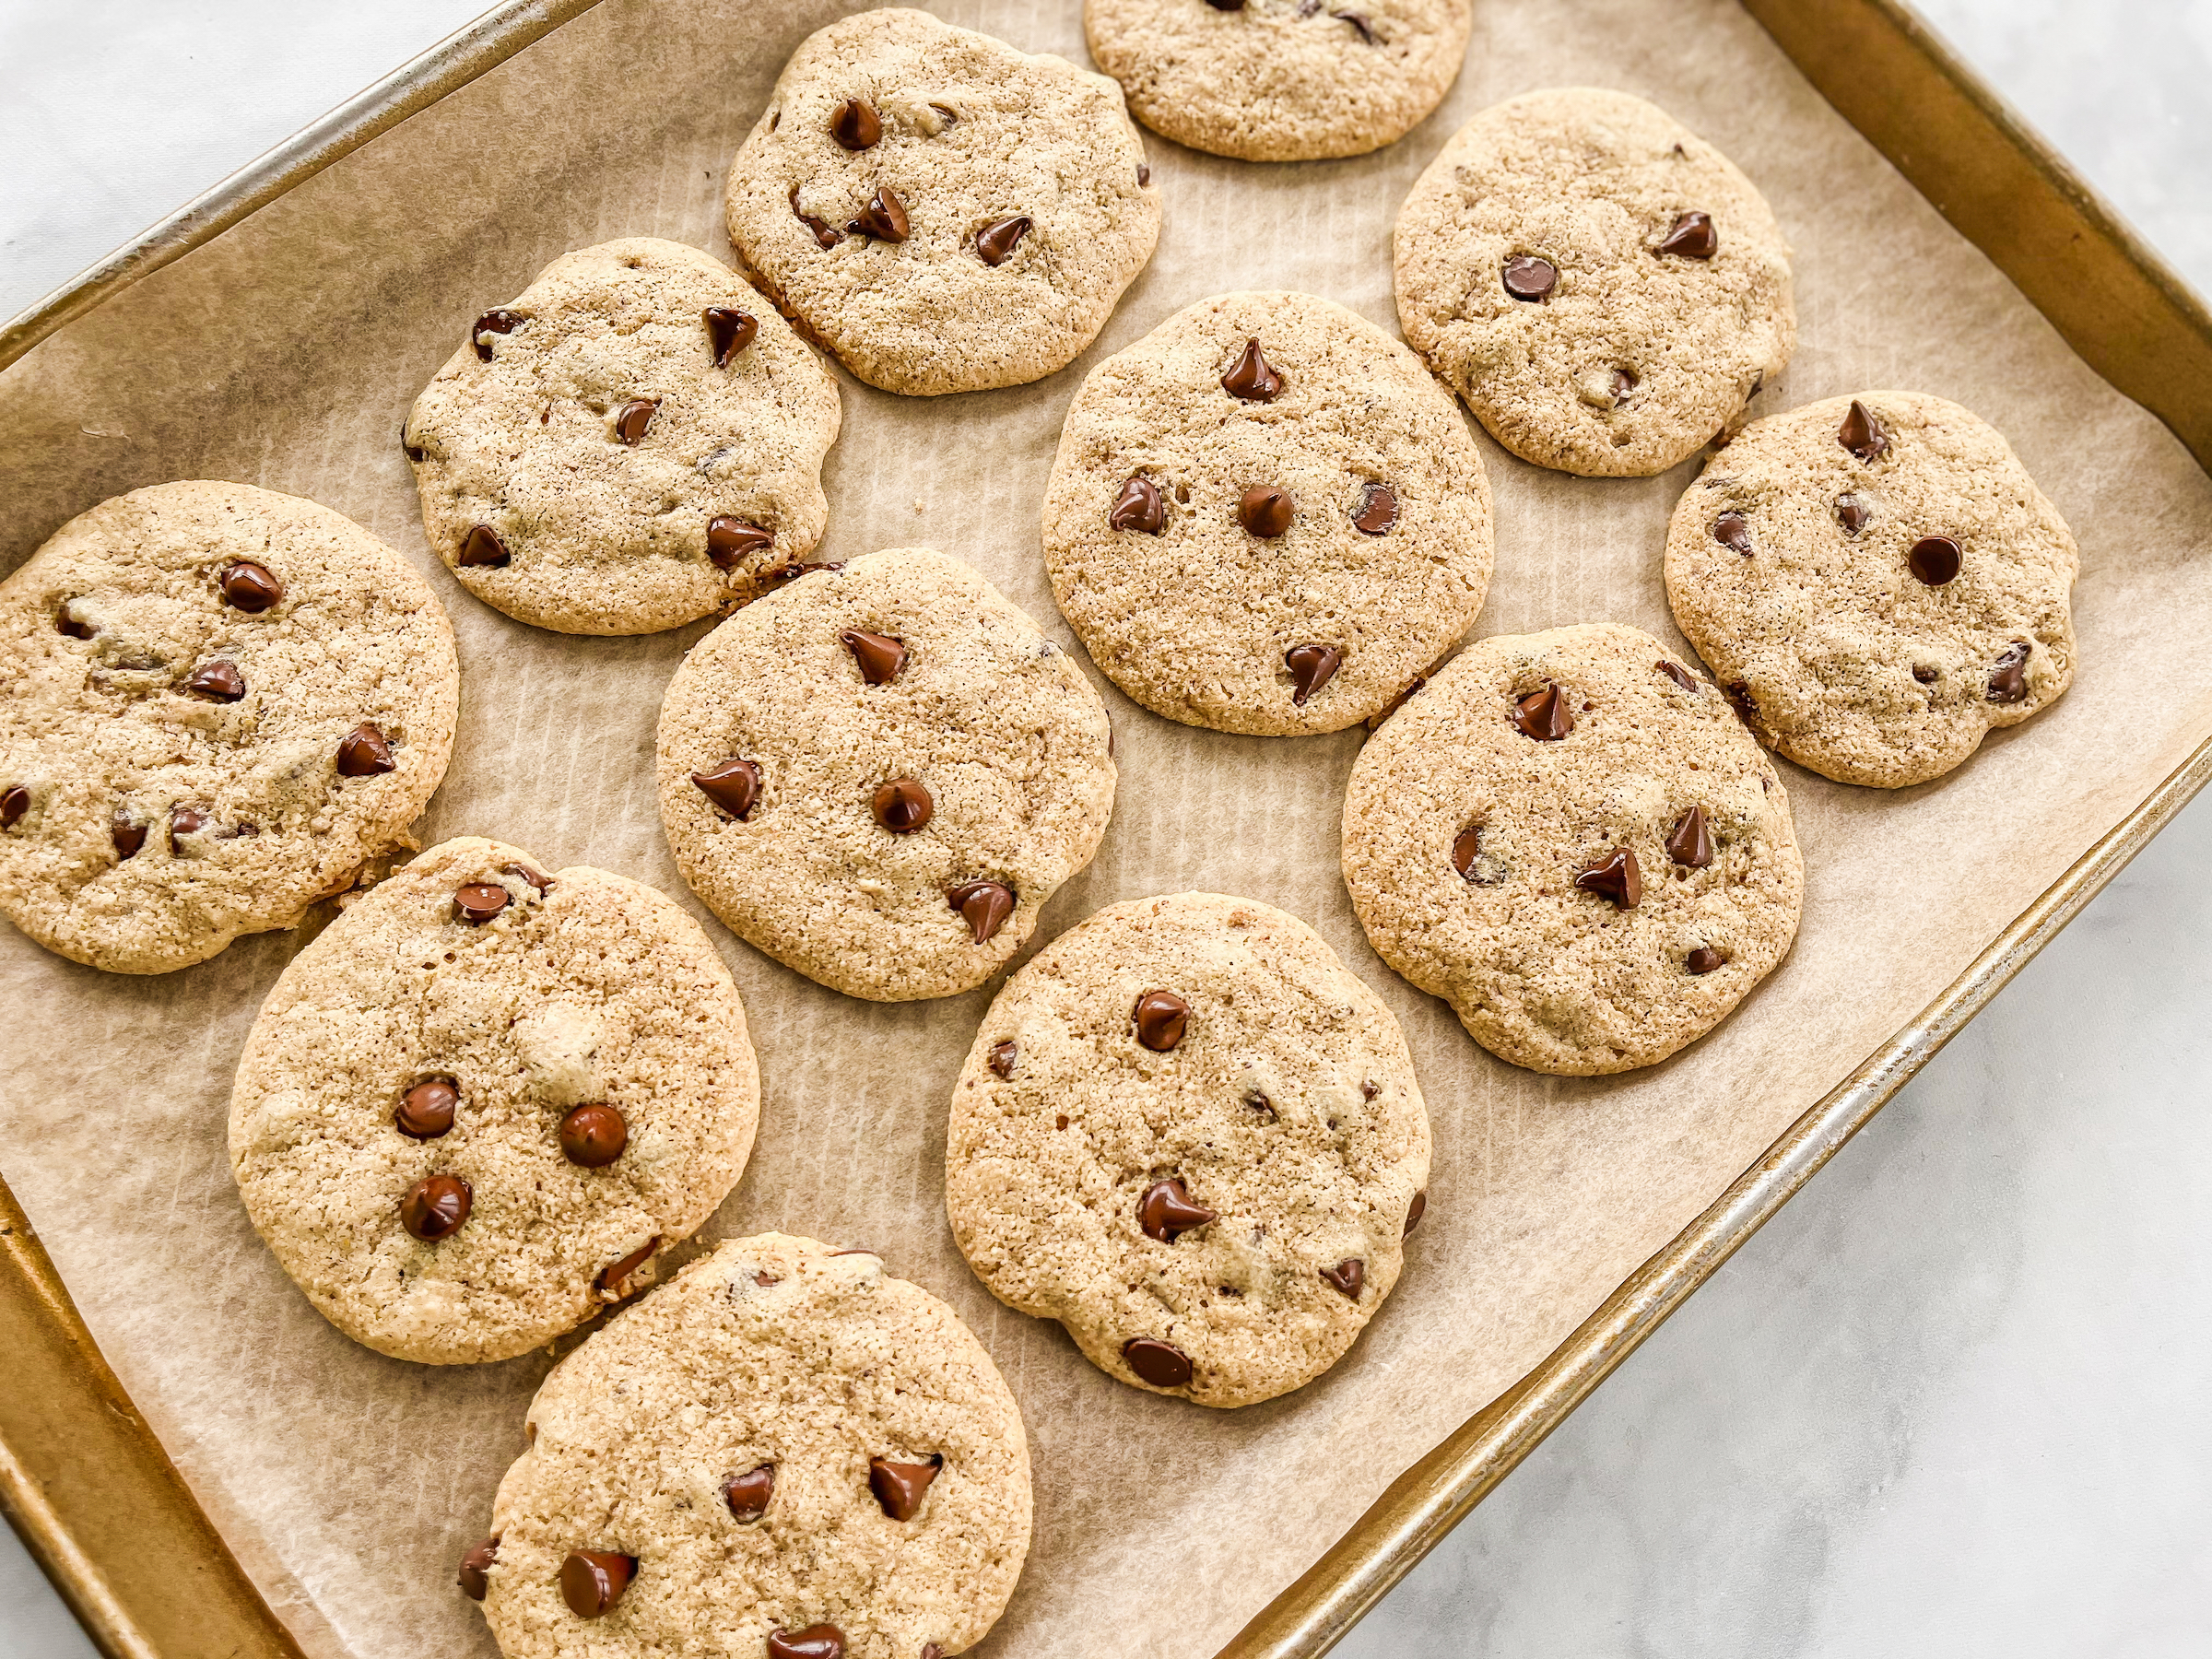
x=1266 y=517
x=631 y=443
x=1601 y=285
x=1573 y=840
x=1191 y=1135
x=475 y=1108
x=943 y=212
x=784 y=1451
x=879 y=775
x=217 y=704
x=1877 y=582
x=1280 y=80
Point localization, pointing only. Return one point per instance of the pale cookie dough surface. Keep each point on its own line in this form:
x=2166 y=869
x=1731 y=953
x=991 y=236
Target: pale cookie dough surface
x=147 y=824
x=1541 y=972
x=521 y=434
x=1197 y=622
x=1836 y=654
x=1289 y=1108
x=1635 y=359
x=596 y=990
x=1280 y=80
x=971 y=134
x=991 y=719
x=773 y=1351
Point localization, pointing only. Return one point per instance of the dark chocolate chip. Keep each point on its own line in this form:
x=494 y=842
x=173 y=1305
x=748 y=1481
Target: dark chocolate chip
x=127 y=833
x=1348 y=1275
x=1692 y=237
x=878 y=656
x=1144 y=175
x=735 y=786
x=1166 y=1211
x=884 y=217
x=183 y=822
x=1159 y=1363
x=1681 y=677
x=478 y=902
x=537 y=878
x=435 y=1207
x=1001 y=1059
x=474 y=1577
x=482 y=546
x=825 y=235
x=2008 y=677
x=633 y=419
x=1691 y=845
x=731 y=541
x=1543 y=715
x=1703 y=959
x=1415 y=1211
x=1366 y=29
x=995 y=244
x=1226 y=5
x=1252 y=377
x=1466 y=847
x=364 y=752
x=592 y=1136
x=984 y=905
x=1161 y=1017
x=1933 y=558
x=854 y=124
x=592 y=1580
x=1139 y=507
x=1265 y=511
x=815 y=1642
x=250 y=587
x=66 y=620
x=1734 y=530
x=615 y=1274
x=219 y=681
x=904 y=805
x=1615 y=877
x=492 y=322
x=1311 y=667
x=426 y=1111
x=13 y=805
x=747 y=1494
x=898 y=1486
x=414 y=452
x=1377 y=509
x=1528 y=277
x=1861 y=434
x=729 y=332
x=1853 y=511
x=1924 y=674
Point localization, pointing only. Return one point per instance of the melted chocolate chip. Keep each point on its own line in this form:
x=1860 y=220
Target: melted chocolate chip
x=1001 y=1059
x=747 y=1494
x=1624 y=382
x=66 y=621
x=127 y=834
x=1415 y=1211
x=1159 y=1363
x=825 y=235
x=1681 y=677
x=1543 y=715
x=1528 y=277
x=1252 y=377
x=735 y=786
x=815 y=1642
x=855 y=125
x=1615 y=877
x=1265 y=511
x=1933 y=558
x=904 y=805
x=1348 y=1275
x=474 y=1577
x=1161 y=1017
x=1376 y=511
x=1703 y=959
x=994 y=244
x=1466 y=847
x=478 y=902
x=219 y=681
x=1734 y=530
x=1853 y=511
x=592 y=1580
x=492 y=322
x=592 y=1136
x=435 y=1207
x=984 y=905
x=2008 y=677
x=426 y=1111
x=14 y=804
x=364 y=752
x=615 y=1274
x=248 y=587
x=729 y=332
x=1139 y=507
x=1311 y=667
x=884 y=217
x=731 y=541
x=483 y=546
x=1861 y=434
x=1366 y=29
x=1166 y=1211
x=633 y=419
x=878 y=656
x=1693 y=237
x=537 y=878
x=183 y=822
x=898 y=1486
x=1691 y=845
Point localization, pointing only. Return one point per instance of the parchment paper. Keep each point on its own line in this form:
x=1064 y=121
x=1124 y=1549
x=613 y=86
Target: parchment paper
x=286 y=355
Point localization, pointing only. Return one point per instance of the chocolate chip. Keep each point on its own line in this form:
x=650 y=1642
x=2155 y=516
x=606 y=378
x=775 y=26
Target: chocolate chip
x=878 y=656
x=1615 y=877
x=1543 y=715
x=1348 y=1275
x=127 y=833
x=364 y=752
x=1166 y=1211
x=1624 y=382
x=884 y=217
x=731 y=541
x=1144 y=175
x=1528 y=277
x=995 y=244
x=729 y=332
x=492 y=322
x=1466 y=847
x=1861 y=434
x=1226 y=5
x=1933 y=558
x=1692 y=237
x=474 y=1577
x=615 y=1273
x=1161 y=1017
x=1001 y=1059
x=854 y=124
x=1853 y=511
x=633 y=419
x=183 y=822
x=1159 y=1363
x=815 y=1642
x=1734 y=530
x=482 y=546
x=825 y=236
x=1924 y=674
x=1691 y=845
x=904 y=805
x=249 y=587
x=592 y=1580
x=426 y=1111
x=66 y=621
x=13 y=805
x=592 y=1136
x=898 y=1486
x=1311 y=667
x=1265 y=511
x=1415 y=1211
x=1253 y=377
x=1367 y=30
x=1681 y=677
x=1139 y=507
x=2008 y=679
x=735 y=786
x=219 y=681
x=984 y=905
x=414 y=452
x=478 y=902
x=1377 y=509
x=747 y=1494
x=1703 y=959
x=435 y=1207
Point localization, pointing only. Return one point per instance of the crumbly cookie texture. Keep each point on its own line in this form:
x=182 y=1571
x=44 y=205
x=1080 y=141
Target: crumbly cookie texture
x=1571 y=839
x=1280 y=80
x=1877 y=582
x=943 y=212
x=1191 y=1135
x=880 y=774
x=475 y=1109
x=1266 y=517
x=217 y=704
x=632 y=443
x=784 y=1451
x=1601 y=285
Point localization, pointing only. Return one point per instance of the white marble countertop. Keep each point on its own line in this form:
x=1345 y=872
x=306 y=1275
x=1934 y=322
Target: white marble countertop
x=1952 y=1400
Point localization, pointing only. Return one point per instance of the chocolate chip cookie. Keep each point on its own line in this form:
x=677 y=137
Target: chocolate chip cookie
x=631 y=443
x=1187 y=1133
x=1266 y=517
x=783 y=1452
x=1570 y=838
x=216 y=705
x=880 y=774
x=1877 y=582
x=480 y=1104
x=1601 y=285
x=943 y=212
x=1280 y=80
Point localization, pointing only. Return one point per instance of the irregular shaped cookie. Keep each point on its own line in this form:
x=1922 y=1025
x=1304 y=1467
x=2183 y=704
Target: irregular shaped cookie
x=480 y=1104
x=1571 y=839
x=1187 y=1133
x=785 y=1451
x=634 y=442
x=1601 y=285
x=1266 y=517
x=1877 y=582
x=879 y=775
x=943 y=212
x=1280 y=80
x=217 y=704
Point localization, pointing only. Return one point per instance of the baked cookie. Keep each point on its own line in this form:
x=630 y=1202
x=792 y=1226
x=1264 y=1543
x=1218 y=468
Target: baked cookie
x=783 y=1452
x=474 y=1109
x=1877 y=582
x=1266 y=517
x=217 y=704
x=1187 y=1133
x=1601 y=285
x=632 y=443
x=1573 y=840
x=880 y=774
x=1280 y=80
x=943 y=212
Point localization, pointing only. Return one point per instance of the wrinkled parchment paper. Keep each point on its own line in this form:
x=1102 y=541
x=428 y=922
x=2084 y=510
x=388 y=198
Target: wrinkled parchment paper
x=286 y=355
